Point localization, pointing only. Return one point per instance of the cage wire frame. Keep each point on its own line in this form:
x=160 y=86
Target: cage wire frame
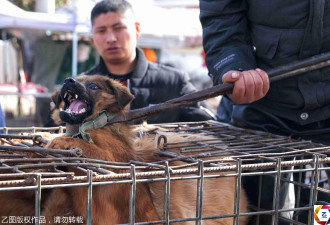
x=252 y=153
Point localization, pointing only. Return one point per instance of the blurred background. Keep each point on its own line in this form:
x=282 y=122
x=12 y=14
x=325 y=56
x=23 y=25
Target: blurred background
x=44 y=41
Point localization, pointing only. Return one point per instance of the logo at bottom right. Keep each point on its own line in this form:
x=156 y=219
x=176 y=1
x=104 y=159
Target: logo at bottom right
x=321 y=214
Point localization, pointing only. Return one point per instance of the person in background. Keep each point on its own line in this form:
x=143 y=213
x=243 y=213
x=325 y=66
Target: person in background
x=115 y=32
x=243 y=39
x=2 y=120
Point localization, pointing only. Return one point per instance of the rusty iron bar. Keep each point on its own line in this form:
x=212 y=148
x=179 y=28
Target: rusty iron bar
x=19 y=136
x=61 y=164
x=12 y=155
x=23 y=143
x=160 y=173
x=254 y=148
x=259 y=146
x=83 y=161
x=289 y=70
x=60 y=129
x=234 y=153
x=71 y=152
x=11 y=142
x=44 y=174
x=303 y=66
x=142 y=113
x=37 y=163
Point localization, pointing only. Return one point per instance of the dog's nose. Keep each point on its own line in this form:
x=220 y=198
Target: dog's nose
x=69 y=80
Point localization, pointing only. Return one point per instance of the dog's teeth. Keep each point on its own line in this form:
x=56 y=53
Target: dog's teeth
x=76 y=96
x=82 y=110
x=66 y=93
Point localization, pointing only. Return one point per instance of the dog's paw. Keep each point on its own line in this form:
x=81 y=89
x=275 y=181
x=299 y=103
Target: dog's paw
x=67 y=143
x=59 y=143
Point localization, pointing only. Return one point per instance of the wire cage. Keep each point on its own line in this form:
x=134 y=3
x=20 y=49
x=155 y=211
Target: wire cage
x=283 y=178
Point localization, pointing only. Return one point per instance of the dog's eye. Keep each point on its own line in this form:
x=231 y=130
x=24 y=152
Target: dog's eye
x=93 y=86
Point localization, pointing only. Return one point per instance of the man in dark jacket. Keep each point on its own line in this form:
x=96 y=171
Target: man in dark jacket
x=115 y=34
x=240 y=36
x=243 y=38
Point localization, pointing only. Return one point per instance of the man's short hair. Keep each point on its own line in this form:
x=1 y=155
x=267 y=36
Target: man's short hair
x=106 y=6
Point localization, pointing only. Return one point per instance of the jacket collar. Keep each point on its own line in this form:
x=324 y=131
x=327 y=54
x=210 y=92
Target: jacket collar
x=139 y=70
x=141 y=65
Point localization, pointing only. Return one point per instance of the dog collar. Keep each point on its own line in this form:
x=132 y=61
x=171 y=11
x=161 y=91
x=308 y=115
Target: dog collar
x=98 y=122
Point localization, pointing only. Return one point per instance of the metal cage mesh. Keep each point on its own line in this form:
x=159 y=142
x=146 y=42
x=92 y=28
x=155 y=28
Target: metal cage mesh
x=247 y=155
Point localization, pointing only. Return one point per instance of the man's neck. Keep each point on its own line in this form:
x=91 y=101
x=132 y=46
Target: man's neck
x=121 y=68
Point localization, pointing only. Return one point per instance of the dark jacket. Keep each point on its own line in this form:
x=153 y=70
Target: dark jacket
x=251 y=34
x=153 y=83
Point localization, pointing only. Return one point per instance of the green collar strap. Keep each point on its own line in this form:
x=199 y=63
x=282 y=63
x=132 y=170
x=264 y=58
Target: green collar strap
x=98 y=122
x=71 y=129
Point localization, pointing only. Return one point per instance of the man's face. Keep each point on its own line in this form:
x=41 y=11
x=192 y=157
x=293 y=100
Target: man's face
x=115 y=35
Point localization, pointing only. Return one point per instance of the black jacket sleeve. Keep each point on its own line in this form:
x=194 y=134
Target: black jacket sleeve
x=226 y=39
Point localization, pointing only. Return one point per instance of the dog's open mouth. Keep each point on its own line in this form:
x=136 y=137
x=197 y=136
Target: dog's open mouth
x=75 y=105
x=76 y=108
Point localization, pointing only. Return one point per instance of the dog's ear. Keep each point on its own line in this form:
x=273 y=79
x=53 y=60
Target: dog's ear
x=56 y=105
x=123 y=95
x=56 y=99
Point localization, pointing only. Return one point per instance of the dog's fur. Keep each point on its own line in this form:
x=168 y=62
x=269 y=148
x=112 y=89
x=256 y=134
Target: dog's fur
x=117 y=142
x=218 y=194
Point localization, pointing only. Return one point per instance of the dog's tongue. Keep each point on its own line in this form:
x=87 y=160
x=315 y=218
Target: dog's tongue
x=77 y=105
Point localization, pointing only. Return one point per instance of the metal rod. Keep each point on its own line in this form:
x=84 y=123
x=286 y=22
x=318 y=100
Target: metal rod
x=237 y=192
x=38 y=200
x=278 y=188
x=297 y=203
x=292 y=69
x=199 y=200
x=89 y=197
x=312 y=196
x=316 y=178
x=259 y=196
x=167 y=194
x=276 y=195
x=71 y=152
x=303 y=66
x=132 y=196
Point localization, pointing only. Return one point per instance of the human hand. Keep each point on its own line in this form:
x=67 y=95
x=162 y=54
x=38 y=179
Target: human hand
x=249 y=86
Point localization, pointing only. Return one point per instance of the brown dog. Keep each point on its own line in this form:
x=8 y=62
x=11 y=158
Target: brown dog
x=85 y=99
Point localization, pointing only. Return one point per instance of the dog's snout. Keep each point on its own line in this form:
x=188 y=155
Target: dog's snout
x=69 y=81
